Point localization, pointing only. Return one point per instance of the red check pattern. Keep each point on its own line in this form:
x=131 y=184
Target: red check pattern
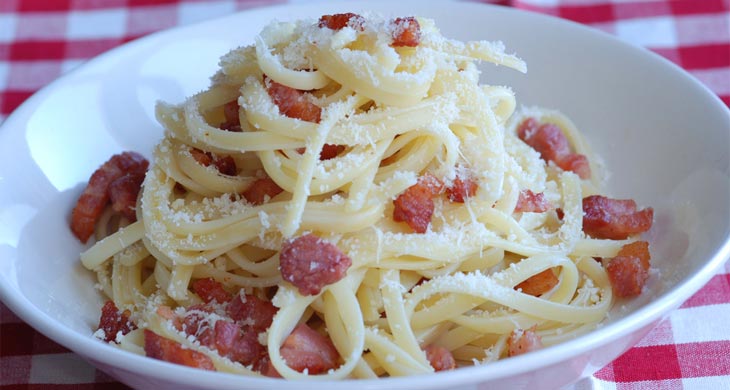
x=40 y=40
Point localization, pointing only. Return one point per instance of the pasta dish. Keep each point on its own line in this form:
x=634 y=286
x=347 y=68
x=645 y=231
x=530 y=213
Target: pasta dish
x=348 y=200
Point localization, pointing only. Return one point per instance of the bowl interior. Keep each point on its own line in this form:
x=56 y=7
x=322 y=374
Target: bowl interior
x=663 y=137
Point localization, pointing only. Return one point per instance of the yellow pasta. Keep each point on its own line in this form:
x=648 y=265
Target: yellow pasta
x=396 y=113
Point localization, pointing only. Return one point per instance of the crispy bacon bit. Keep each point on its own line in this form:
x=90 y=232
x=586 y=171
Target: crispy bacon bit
x=461 y=189
x=239 y=346
x=340 y=21
x=225 y=165
x=440 y=358
x=638 y=249
x=306 y=349
x=225 y=335
x=252 y=311
x=293 y=103
x=627 y=276
x=123 y=194
x=629 y=270
x=576 y=163
x=203 y=158
x=310 y=263
x=247 y=350
x=538 y=284
x=194 y=322
x=233 y=128
x=523 y=341
x=113 y=321
x=158 y=347
x=549 y=143
x=267 y=368
x=531 y=202
x=179 y=189
x=330 y=151
x=96 y=196
x=548 y=140
x=406 y=32
x=261 y=191
x=232 y=123
x=614 y=219
x=209 y=290
x=231 y=339
x=415 y=205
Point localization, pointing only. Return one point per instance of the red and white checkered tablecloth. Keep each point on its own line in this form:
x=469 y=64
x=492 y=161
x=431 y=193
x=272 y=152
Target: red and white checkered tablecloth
x=42 y=39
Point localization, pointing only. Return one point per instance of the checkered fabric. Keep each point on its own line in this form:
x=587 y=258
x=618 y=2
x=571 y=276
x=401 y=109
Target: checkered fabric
x=42 y=39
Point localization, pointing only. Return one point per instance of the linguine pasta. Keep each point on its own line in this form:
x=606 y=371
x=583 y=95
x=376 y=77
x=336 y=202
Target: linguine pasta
x=395 y=113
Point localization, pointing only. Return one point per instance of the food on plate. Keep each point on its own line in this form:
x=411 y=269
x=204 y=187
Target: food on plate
x=347 y=200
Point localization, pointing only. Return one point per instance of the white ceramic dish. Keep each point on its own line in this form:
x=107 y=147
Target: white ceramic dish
x=664 y=137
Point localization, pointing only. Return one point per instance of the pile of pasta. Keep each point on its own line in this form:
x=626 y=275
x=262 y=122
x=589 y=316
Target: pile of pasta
x=456 y=240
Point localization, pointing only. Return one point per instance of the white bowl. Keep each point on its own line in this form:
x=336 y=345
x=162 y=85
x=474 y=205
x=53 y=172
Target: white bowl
x=663 y=135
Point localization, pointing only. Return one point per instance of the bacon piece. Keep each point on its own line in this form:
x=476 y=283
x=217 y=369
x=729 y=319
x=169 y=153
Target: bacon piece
x=113 y=321
x=310 y=263
x=158 y=347
x=209 y=290
x=531 y=202
x=95 y=197
x=305 y=348
x=415 y=205
x=548 y=140
x=179 y=189
x=461 y=189
x=523 y=341
x=233 y=128
x=629 y=270
x=576 y=163
x=232 y=123
x=340 y=21
x=406 y=32
x=237 y=345
x=247 y=350
x=260 y=191
x=229 y=338
x=440 y=358
x=225 y=165
x=627 y=276
x=203 y=158
x=614 y=219
x=195 y=323
x=123 y=194
x=269 y=370
x=252 y=311
x=328 y=152
x=225 y=335
x=638 y=249
x=538 y=284
x=293 y=103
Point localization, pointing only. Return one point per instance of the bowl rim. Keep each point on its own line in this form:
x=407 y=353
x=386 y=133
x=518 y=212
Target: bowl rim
x=90 y=348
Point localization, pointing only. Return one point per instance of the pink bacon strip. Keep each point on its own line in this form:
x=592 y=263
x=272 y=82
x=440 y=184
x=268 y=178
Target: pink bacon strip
x=96 y=195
